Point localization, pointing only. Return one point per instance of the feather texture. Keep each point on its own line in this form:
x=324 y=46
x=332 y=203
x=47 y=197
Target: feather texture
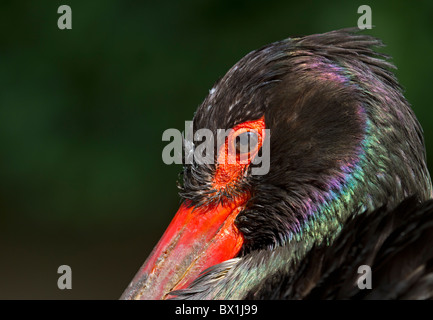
x=348 y=183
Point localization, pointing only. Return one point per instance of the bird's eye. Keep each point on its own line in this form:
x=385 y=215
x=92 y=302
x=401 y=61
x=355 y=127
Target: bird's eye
x=246 y=142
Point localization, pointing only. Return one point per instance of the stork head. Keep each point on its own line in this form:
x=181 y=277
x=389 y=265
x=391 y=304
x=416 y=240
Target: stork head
x=342 y=140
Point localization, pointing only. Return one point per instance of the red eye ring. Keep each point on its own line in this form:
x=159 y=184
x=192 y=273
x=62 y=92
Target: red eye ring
x=244 y=143
x=232 y=164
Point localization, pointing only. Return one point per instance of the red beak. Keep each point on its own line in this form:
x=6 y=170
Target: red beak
x=196 y=239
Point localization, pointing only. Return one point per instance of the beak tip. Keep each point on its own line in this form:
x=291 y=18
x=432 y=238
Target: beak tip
x=192 y=243
x=132 y=292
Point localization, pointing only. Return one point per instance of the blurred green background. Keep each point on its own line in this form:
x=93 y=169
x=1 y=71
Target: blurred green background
x=82 y=113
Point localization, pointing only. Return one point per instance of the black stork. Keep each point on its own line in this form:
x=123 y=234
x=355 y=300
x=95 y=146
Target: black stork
x=347 y=186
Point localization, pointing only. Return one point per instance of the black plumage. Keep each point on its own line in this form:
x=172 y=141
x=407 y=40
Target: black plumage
x=394 y=243
x=348 y=183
